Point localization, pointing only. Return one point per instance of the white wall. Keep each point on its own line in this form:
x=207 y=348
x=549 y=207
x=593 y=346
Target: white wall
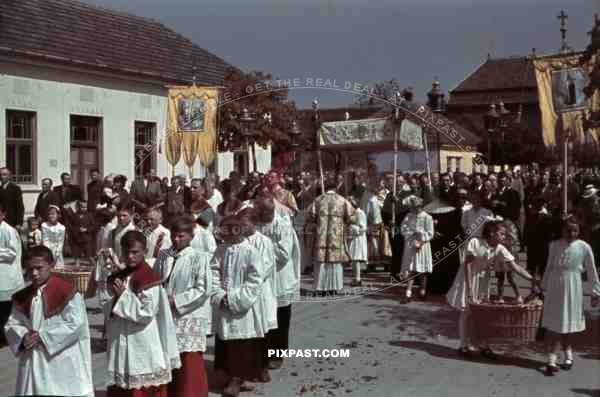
x=56 y=95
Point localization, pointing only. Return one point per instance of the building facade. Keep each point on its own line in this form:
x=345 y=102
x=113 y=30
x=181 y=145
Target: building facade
x=89 y=90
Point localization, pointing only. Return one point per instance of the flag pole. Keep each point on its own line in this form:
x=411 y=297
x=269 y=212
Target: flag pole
x=565 y=172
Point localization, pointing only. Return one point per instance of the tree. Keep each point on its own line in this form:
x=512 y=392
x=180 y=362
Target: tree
x=263 y=96
x=381 y=90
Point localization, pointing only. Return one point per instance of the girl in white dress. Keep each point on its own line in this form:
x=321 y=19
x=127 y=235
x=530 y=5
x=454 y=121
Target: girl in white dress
x=568 y=258
x=417 y=229
x=481 y=257
x=53 y=235
x=357 y=242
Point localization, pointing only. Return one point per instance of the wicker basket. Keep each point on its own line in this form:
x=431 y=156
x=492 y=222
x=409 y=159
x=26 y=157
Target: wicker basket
x=80 y=276
x=507 y=322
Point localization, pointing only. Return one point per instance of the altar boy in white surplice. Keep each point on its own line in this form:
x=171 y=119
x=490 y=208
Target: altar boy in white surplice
x=48 y=333
x=142 y=346
x=187 y=279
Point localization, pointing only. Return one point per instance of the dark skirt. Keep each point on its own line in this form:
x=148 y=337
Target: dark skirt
x=279 y=338
x=156 y=391
x=244 y=358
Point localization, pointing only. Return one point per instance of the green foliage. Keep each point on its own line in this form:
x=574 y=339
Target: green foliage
x=261 y=94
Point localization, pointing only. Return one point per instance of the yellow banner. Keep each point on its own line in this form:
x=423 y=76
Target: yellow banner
x=563 y=105
x=192 y=125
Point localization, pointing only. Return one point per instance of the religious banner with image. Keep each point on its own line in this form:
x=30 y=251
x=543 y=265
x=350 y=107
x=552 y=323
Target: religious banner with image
x=370 y=131
x=192 y=125
x=563 y=104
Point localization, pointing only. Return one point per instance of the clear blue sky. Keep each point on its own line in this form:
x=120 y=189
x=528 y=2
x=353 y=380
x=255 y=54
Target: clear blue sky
x=364 y=41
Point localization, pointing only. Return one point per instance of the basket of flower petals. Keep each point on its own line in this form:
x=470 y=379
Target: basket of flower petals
x=509 y=320
x=78 y=274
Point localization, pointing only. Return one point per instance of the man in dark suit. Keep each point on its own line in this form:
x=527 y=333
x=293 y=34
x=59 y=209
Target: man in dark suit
x=94 y=190
x=145 y=193
x=45 y=199
x=11 y=195
x=179 y=198
x=67 y=192
x=507 y=202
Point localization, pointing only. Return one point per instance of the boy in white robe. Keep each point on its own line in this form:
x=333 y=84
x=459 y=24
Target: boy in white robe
x=125 y=224
x=187 y=279
x=268 y=300
x=286 y=281
x=11 y=279
x=48 y=333
x=142 y=345
x=159 y=237
x=237 y=287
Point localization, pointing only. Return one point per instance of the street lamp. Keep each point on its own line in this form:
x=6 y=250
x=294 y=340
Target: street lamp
x=295 y=133
x=492 y=124
x=246 y=120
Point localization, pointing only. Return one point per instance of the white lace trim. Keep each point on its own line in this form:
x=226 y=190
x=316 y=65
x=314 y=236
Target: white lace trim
x=189 y=343
x=160 y=377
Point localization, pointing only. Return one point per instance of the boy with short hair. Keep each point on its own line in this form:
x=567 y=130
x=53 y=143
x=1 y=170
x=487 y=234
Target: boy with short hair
x=142 y=348
x=187 y=279
x=48 y=333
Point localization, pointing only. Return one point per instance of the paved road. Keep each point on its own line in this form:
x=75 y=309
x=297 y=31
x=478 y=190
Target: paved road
x=395 y=350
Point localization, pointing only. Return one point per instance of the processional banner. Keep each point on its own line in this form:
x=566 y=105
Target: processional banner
x=370 y=131
x=192 y=125
x=563 y=104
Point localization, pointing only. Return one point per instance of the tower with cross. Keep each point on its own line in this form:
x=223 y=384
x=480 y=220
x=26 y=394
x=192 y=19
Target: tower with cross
x=563 y=30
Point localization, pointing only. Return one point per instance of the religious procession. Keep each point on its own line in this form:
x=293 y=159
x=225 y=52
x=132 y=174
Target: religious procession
x=200 y=235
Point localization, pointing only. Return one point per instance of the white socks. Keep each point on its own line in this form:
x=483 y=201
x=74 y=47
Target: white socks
x=356 y=270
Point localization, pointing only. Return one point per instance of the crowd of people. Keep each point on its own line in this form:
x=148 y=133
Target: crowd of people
x=175 y=263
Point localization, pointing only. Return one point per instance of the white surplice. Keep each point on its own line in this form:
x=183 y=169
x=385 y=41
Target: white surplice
x=287 y=251
x=268 y=298
x=237 y=272
x=563 y=285
x=142 y=344
x=204 y=241
x=53 y=237
x=11 y=279
x=63 y=366
x=160 y=234
x=187 y=278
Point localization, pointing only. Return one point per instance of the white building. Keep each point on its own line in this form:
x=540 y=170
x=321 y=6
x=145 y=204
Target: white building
x=83 y=87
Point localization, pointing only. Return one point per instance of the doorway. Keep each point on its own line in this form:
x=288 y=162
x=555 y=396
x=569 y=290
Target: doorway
x=86 y=134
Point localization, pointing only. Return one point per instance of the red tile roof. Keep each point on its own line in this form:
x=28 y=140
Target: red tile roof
x=71 y=32
x=500 y=74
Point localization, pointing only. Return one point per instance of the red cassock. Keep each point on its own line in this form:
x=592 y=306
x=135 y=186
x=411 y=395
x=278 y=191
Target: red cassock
x=190 y=380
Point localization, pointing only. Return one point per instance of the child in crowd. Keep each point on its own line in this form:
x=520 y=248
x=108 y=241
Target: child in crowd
x=511 y=242
x=481 y=257
x=568 y=258
x=142 y=344
x=357 y=242
x=237 y=287
x=53 y=234
x=187 y=280
x=34 y=233
x=48 y=333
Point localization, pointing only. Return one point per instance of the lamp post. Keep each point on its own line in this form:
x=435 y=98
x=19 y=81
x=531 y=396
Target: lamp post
x=435 y=100
x=246 y=120
x=492 y=123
